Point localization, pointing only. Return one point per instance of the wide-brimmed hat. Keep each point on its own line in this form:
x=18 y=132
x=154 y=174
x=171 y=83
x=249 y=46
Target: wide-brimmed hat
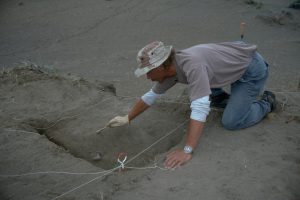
x=151 y=56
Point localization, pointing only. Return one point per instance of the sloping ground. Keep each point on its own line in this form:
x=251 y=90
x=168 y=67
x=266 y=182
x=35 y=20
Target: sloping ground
x=39 y=108
x=24 y=152
x=69 y=112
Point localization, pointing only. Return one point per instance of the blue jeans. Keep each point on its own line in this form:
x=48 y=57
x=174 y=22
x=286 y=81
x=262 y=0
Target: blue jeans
x=243 y=109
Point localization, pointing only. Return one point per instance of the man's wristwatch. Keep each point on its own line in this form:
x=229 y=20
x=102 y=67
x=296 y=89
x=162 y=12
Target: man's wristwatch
x=188 y=149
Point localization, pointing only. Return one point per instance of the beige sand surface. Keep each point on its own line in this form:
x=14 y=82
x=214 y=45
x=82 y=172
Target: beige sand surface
x=84 y=56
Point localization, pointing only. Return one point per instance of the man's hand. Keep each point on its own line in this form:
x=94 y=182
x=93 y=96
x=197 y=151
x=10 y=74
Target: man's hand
x=118 y=121
x=177 y=158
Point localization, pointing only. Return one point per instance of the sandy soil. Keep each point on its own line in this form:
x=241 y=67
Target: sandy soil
x=84 y=56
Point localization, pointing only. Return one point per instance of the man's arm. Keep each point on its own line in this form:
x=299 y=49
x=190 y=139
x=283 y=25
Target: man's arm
x=200 y=109
x=179 y=157
x=143 y=103
x=139 y=107
x=194 y=133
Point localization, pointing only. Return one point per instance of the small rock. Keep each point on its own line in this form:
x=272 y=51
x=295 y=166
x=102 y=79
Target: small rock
x=97 y=157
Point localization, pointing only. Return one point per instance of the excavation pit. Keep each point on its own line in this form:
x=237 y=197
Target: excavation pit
x=69 y=110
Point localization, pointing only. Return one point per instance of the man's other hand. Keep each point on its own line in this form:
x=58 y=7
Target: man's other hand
x=118 y=121
x=177 y=158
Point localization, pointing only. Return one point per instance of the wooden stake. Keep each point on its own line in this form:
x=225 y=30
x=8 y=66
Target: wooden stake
x=242 y=29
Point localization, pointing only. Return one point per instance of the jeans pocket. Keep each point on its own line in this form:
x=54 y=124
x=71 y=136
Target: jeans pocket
x=256 y=70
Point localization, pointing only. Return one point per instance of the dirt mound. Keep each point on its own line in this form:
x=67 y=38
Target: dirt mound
x=280 y=18
x=69 y=110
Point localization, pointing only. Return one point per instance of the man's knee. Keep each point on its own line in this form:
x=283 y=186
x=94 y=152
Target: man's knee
x=230 y=123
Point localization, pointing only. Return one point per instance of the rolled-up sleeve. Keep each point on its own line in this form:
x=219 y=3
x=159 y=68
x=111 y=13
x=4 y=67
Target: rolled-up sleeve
x=200 y=109
x=150 y=97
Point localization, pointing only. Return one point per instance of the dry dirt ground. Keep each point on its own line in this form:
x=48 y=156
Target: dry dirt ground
x=67 y=68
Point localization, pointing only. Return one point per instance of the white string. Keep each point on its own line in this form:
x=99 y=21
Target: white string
x=122 y=165
x=53 y=123
x=17 y=130
x=163 y=137
x=153 y=167
x=109 y=171
x=106 y=172
x=56 y=122
x=162 y=101
x=53 y=172
x=218 y=109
